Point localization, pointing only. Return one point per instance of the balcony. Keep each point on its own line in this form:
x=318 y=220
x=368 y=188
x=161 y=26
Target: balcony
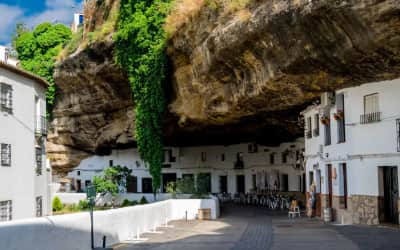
x=370 y=118
x=308 y=134
x=41 y=125
x=316 y=132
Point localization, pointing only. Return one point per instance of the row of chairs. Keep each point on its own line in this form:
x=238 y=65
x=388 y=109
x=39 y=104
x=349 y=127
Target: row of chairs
x=271 y=201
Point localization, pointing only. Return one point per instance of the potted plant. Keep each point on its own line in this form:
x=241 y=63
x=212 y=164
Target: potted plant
x=325 y=120
x=338 y=115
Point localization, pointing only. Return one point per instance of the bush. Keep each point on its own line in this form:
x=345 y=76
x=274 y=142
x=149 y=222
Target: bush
x=143 y=200
x=83 y=204
x=57 y=204
x=185 y=186
x=127 y=203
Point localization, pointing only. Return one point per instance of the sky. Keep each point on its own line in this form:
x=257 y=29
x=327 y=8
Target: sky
x=34 y=12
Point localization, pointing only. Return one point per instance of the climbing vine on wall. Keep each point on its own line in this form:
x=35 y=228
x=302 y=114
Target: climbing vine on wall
x=140 y=50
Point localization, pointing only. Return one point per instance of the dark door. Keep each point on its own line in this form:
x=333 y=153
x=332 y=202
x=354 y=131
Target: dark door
x=131 y=184
x=330 y=185
x=391 y=194
x=240 y=187
x=167 y=178
x=304 y=183
x=147 y=185
x=223 y=184
x=285 y=183
x=78 y=185
x=345 y=184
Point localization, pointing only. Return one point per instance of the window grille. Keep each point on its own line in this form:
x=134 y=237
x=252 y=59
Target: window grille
x=5 y=155
x=5 y=210
x=39 y=206
x=371 y=109
x=6 y=98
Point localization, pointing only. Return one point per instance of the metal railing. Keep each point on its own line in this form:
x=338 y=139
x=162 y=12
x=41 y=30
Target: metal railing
x=41 y=125
x=371 y=117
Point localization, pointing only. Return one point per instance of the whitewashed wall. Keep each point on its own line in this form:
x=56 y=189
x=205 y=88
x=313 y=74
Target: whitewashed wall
x=188 y=161
x=72 y=232
x=19 y=182
x=367 y=146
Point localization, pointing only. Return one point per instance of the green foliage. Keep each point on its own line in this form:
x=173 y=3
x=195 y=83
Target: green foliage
x=83 y=204
x=140 y=50
x=37 y=51
x=127 y=203
x=143 y=200
x=73 y=44
x=185 y=186
x=56 y=204
x=171 y=189
x=202 y=183
x=114 y=178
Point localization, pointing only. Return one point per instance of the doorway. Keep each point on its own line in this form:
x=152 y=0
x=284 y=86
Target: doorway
x=131 y=184
x=330 y=188
x=223 y=184
x=167 y=178
x=390 y=195
x=78 y=185
x=318 y=211
x=240 y=186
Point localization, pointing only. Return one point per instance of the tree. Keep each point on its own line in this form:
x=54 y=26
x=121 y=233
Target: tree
x=57 y=204
x=37 y=51
x=113 y=181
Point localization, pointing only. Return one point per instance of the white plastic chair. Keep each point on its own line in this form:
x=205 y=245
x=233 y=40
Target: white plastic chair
x=294 y=213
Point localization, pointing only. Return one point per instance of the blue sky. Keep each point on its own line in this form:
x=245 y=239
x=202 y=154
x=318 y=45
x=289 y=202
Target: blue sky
x=33 y=12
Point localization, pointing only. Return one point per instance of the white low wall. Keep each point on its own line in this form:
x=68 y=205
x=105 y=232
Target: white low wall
x=74 y=198
x=72 y=232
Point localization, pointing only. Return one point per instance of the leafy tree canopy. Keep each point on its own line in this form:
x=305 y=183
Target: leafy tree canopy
x=114 y=178
x=37 y=51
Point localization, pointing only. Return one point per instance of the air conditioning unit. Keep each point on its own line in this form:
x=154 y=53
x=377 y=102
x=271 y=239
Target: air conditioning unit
x=328 y=99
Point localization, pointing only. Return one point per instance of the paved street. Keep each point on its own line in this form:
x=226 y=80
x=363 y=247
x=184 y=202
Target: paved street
x=258 y=228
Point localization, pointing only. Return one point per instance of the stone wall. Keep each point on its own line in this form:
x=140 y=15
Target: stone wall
x=365 y=209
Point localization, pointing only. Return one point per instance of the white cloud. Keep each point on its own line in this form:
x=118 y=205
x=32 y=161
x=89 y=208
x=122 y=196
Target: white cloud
x=60 y=11
x=9 y=17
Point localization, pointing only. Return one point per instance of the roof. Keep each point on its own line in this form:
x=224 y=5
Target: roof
x=24 y=73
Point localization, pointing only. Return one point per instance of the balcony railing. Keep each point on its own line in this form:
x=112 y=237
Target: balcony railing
x=316 y=132
x=41 y=125
x=308 y=134
x=371 y=117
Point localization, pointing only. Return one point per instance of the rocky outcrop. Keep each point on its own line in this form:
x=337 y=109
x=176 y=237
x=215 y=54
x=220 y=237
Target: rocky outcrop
x=277 y=54
x=241 y=76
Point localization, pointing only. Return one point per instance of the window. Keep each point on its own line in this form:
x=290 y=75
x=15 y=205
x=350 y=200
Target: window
x=327 y=129
x=339 y=116
x=147 y=185
x=203 y=156
x=38 y=161
x=310 y=178
x=252 y=148
x=78 y=173
x=6 y=98
x=371 y=103
x=371 y=109
x=168 y=157
x=87 y=183
x=111 y=163
x=39 y=206
x=239 y=163
x=398 y=134
x=272 y=158
x=308 y=128
x=5 y=155
x=222 y=157
x=254 y=182
x=284 y=157
x=316 y=125
x=5 y=210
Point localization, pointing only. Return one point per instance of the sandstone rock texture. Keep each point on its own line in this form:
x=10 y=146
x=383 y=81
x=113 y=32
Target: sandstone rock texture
x=241 y=76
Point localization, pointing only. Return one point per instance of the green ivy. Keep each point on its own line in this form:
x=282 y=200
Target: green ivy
x=140 y=50
x=37 y=51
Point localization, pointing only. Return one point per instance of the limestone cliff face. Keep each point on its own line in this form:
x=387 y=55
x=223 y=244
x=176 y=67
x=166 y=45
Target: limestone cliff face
x=234 y=77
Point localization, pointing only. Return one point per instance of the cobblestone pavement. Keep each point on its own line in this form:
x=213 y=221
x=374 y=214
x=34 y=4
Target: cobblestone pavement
x=257 y=228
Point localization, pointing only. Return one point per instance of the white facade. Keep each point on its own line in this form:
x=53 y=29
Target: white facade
x=6 y=57
x=24 y=177
x=357 y=154
x=216 y=160
x=77 y=22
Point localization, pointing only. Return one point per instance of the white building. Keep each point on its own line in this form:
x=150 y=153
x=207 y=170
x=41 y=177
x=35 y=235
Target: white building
x=7 y=57
x=232 y=169
x=77 y=22
x=24 y=178
x=352 y=152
